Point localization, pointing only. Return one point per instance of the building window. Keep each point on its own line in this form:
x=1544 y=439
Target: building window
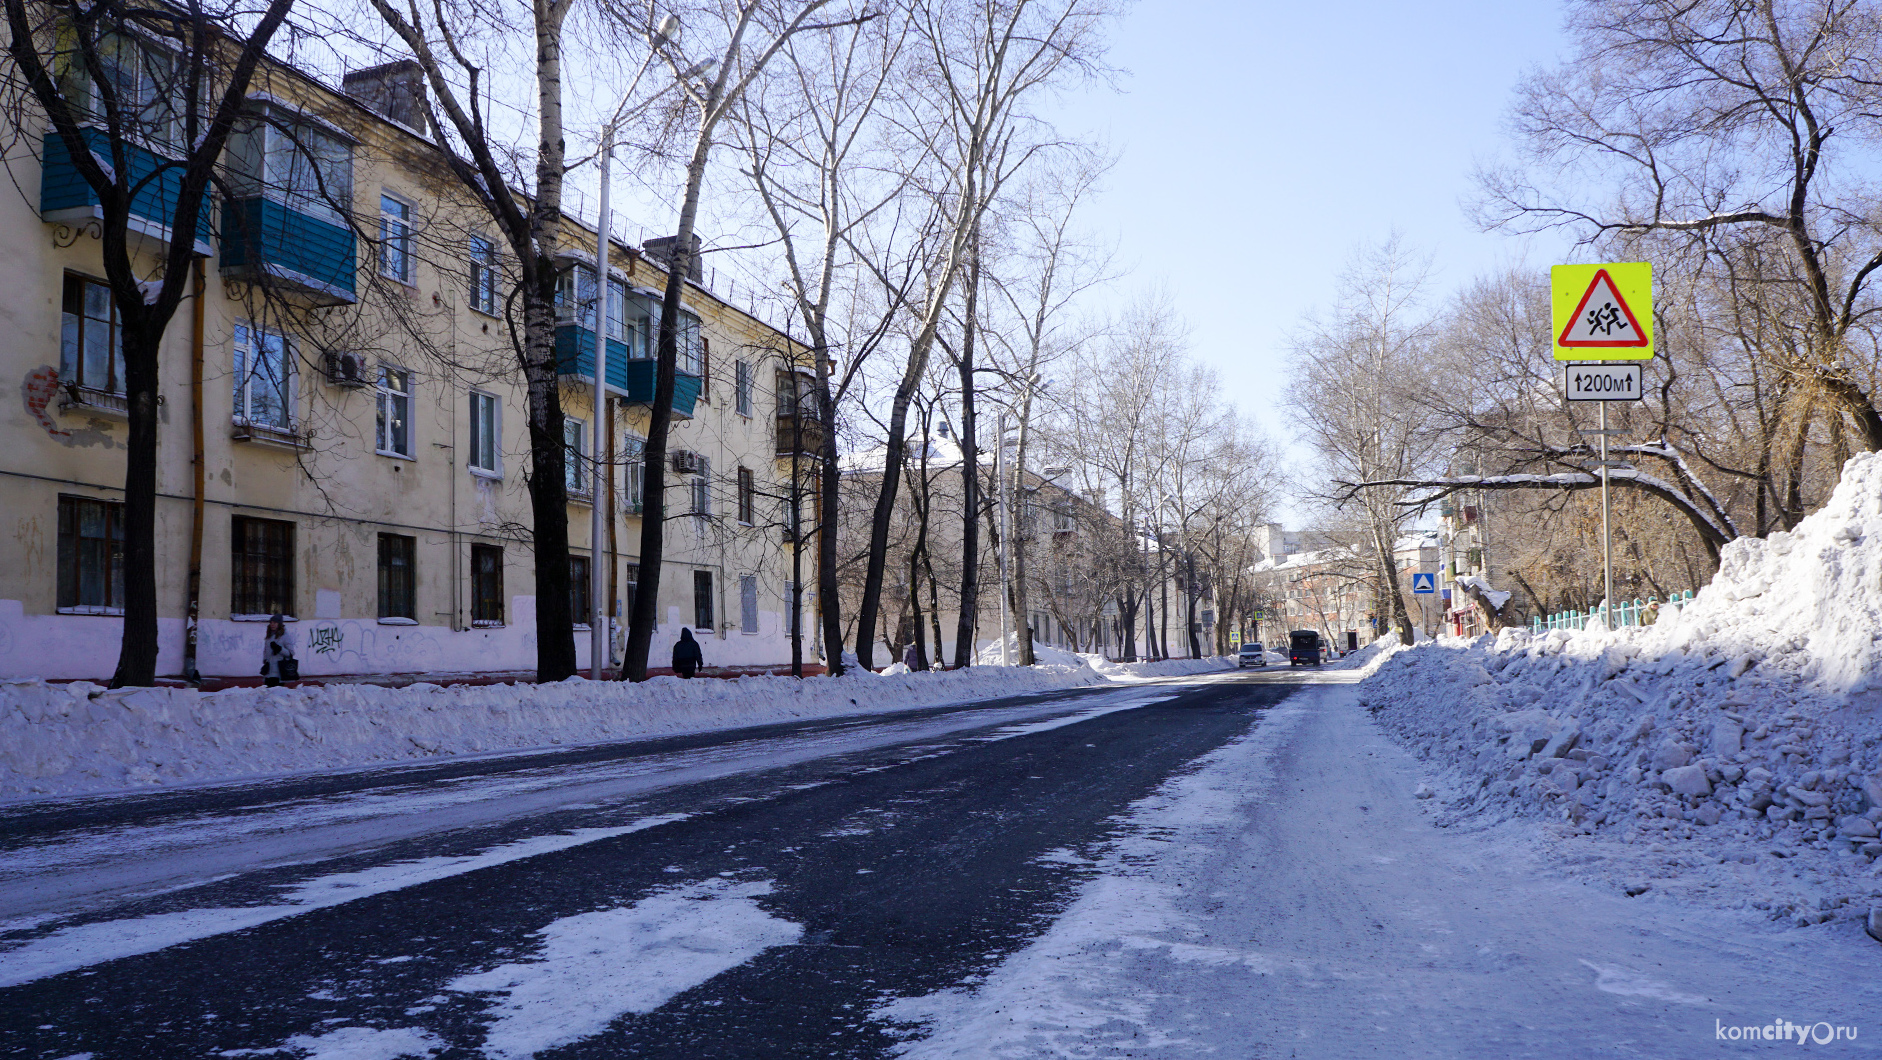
x=575 y=300
x=261 y=567
x=395 y=412
x=484 y=450
x=574 y=463
x=747 y=497
x=483 y=276
x=702 y=599
x=702 y=488
x=89 y=353
x=264 y=378
x=280 y=155
x=486 y=585
x=579 y=583
x=398 y=588
x=741 y=389
x=692 y=351
x=632 y=450
x=632 y=580
x=748 y=603
x=395 y=239
x=143 y=75
x=91 y=556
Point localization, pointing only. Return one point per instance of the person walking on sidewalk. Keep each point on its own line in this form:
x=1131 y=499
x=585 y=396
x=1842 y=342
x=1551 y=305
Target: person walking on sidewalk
x=277 y=656
x=687 y=658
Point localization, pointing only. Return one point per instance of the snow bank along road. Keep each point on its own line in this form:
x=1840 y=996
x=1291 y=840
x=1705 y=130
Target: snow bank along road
x=1194 y=868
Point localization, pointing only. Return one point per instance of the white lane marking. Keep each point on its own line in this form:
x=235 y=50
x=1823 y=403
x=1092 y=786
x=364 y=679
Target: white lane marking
x=1011 y=731
x=69 y=949
x=1613 y=979
x=597 y=967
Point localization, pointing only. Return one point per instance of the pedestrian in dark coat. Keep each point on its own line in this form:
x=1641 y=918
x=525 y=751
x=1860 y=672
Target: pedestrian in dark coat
x=277 y=654
x=687 y=658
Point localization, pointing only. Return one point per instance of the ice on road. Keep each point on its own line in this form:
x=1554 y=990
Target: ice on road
x=1291 y=897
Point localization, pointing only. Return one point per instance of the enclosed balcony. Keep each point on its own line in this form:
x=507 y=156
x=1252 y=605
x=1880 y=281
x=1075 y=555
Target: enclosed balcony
x=633 y=380
x=802 y=436
x=65 y=197
x=264 y=241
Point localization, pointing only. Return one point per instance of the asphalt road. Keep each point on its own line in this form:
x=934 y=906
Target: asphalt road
x=900 y=869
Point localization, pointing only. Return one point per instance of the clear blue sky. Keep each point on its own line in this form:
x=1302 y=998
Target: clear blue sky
x=1260 y=143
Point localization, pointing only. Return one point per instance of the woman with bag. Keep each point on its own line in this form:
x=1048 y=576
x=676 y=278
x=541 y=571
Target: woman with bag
x=278 y=663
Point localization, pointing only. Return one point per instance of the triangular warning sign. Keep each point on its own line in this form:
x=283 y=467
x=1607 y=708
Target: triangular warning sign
x=1602 y=319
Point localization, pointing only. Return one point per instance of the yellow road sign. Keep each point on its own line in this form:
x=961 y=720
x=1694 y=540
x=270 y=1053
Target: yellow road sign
x=1603 y=312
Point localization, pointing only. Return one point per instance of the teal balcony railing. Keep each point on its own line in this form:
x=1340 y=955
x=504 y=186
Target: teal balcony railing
x=632 y=379
x=266 y=241
x=65 y=197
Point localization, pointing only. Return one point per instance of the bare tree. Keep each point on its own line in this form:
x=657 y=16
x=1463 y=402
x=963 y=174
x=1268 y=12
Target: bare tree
x=1356 y=398
x=713 y=87
x=1714 y=129
x=813 y=142
x=454 y=49
x=968 y=130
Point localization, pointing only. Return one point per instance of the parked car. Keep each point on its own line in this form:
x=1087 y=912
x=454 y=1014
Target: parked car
x=1252 y=655
x=1304 y=648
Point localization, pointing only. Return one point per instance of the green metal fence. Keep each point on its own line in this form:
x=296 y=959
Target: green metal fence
x=1625 y=613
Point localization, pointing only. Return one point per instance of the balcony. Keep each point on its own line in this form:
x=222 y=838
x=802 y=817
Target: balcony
x=264 y=241
x=65 y=198
x=807 y=443
x=633 y=380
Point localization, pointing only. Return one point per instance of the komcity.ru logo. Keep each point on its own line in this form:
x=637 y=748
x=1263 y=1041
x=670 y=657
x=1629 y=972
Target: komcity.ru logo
x=1785 y=1031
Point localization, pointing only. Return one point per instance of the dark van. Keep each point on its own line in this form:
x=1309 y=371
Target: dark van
x=1303 y=648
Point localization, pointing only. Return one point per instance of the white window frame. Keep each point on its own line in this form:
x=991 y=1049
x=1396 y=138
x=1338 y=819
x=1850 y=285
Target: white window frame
x=748 y=604
x=702 y=489
x=243 y=362
x=484 y=271
x=382 y=396
x=495 y=436
x=574 y=457
x=742 y=388
x=397 y=236
x=633 y=455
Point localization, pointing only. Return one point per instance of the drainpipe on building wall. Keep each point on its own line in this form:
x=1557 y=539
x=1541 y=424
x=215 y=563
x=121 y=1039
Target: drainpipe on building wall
x=193 y=606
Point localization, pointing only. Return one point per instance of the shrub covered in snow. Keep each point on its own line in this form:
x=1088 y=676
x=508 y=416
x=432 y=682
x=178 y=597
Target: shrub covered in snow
x=1748 y=724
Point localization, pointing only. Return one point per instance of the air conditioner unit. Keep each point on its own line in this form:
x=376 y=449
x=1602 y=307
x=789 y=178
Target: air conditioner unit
x=685 y=462
x=346 y=369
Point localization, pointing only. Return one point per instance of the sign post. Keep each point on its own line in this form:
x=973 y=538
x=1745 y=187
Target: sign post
x=1603 y=313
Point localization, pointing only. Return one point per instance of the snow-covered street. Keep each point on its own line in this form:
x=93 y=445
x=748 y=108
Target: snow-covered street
x=1294 y=897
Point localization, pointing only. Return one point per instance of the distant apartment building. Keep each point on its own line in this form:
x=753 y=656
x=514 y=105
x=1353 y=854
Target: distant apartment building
x=363 y=450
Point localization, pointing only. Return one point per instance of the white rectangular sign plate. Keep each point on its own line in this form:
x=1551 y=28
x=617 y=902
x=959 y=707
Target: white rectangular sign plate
x=1604 y=382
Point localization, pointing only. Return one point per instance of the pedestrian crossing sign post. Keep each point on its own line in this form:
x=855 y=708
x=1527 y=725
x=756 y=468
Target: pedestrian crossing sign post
x=1602 y=312
x=1424 y=583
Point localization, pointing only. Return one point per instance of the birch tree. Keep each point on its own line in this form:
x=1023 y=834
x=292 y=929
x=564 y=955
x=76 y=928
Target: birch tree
x=966 y=126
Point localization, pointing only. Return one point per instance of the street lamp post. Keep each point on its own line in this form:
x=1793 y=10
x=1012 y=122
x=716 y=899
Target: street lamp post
x=600 y=611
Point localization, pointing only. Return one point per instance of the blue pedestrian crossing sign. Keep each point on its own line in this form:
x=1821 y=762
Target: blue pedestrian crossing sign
x=1424 y=583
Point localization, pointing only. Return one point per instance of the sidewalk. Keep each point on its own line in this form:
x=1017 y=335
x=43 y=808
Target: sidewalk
x=1294 y=898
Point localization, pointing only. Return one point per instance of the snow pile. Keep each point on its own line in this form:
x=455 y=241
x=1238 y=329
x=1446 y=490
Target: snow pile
x=66 y=738
x=1046 y=655
x=1745 y=726
x=1496 y=597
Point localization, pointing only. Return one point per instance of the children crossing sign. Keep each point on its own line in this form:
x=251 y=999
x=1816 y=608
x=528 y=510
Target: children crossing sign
x=1603 y=312
x=1424 y=583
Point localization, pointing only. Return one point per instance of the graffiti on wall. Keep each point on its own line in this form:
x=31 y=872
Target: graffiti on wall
x=368 y=646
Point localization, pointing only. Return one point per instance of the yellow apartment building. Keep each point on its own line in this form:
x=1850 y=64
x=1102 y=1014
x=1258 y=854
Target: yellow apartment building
x=362 y=425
